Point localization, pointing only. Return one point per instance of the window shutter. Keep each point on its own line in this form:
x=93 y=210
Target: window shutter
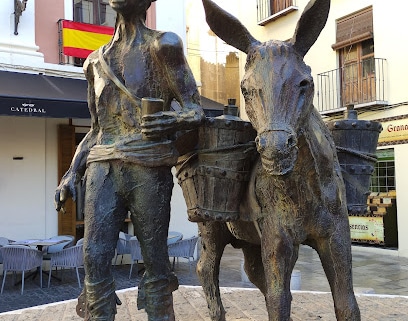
x=354 y=28
x=66 y=149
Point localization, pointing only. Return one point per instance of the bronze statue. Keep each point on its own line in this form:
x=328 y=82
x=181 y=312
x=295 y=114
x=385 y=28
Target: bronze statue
x=296 y=193
x=125 y=159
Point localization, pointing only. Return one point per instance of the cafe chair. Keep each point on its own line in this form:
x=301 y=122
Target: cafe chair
x=3 y=242
x=135 y=253
x=69 y=240
x=122 y=246
x=71 y=257
x=20 y=258
x=185 y=249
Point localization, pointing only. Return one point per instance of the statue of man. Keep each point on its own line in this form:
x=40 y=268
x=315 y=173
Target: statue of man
x=125 y=159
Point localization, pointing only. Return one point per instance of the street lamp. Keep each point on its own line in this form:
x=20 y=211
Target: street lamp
x=19 y=7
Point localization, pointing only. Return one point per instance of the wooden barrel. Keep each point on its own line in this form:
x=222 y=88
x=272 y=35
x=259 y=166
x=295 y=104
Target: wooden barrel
x=356 y=143
x=214 y=178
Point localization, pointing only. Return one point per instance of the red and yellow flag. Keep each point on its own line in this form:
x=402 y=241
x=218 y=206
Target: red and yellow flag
x=80 y=39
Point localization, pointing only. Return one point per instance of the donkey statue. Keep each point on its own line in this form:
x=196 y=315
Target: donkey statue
x=296 y=193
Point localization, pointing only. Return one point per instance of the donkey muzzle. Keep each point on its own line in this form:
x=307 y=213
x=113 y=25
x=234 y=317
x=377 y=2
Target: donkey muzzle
x=278 y=150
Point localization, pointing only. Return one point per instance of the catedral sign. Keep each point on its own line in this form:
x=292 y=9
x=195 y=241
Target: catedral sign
x=394 y=130
x=367 y=229
x=27 y=108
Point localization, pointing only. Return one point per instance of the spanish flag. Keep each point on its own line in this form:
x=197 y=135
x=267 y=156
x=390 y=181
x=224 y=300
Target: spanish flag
x=80 y=39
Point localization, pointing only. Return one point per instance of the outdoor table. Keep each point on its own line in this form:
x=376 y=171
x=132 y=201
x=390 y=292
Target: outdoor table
x=39 y=244
x=173 y=237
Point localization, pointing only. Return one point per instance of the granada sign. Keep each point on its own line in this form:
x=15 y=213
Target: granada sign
x=394 y=130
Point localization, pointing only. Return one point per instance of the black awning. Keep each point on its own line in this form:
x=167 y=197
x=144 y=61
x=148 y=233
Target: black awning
x=211 y=107
x=37 y=95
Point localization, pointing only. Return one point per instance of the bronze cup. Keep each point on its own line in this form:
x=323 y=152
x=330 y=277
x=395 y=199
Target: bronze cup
x=151 y=106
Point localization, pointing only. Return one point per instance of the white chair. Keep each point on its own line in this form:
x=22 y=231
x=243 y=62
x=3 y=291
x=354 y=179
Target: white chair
x=68 y=241
x=135 y=253
x=122 y=246
x=3 y=242
x=20 y=258
x=183 y=248
x=71 y=257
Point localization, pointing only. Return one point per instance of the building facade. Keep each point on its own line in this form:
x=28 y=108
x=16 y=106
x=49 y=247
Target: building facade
x=358 y=61
x=43 y=111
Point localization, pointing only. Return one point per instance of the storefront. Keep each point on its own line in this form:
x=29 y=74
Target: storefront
x=380 y=227
x=42 y=119
x=32 y=107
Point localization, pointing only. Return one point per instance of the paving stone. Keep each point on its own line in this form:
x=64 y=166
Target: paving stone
x=247 y=303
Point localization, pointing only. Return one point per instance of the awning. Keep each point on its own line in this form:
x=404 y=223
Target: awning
x=37 y=95
x=211 y=107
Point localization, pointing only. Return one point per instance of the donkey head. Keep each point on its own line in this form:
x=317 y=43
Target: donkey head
x=277 y=85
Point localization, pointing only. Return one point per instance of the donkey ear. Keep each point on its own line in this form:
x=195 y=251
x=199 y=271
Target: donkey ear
x=310 y=25
x=227 y=27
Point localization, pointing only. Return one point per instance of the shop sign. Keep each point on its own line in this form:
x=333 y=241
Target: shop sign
x=394 y=130
x=367 y=228
x=15 y=106
x=25 y=108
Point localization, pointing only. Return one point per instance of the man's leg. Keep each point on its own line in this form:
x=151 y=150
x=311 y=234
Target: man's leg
x=104 y=215
x=150 y=208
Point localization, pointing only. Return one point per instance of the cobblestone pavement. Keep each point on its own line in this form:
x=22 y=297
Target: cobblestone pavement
x=378 y=271
x=240 y=304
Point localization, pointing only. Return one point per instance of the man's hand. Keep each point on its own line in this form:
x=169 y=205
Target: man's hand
x=159 y=125
x=65 y=189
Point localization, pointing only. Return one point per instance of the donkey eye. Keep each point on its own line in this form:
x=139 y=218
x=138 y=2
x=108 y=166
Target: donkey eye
x=304 y=83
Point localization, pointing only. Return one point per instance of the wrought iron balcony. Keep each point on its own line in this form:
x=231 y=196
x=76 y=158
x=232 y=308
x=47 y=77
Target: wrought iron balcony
x=269 y=10
x=360 y=84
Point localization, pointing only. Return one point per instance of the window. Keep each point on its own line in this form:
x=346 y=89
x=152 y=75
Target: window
x=383 y=178
x=97 y=12
x=269 y=10
x=355 y=45
x=357 y=65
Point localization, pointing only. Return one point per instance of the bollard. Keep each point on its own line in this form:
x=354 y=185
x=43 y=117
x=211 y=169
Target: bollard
x=295 y=280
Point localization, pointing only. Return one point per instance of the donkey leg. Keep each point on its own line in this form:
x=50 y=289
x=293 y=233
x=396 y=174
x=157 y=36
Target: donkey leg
x=335 y=255
x=253 y=266
x=214 y=238
x=279 y=255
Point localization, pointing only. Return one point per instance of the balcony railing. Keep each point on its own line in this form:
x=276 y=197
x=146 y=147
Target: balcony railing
x=269 y=10
x=360 y=84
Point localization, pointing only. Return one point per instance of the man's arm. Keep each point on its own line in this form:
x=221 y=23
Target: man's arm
x=66 y=188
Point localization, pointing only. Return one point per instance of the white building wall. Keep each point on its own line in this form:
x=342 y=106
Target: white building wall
x=51 y=174
x=22 y=181
x=401 y=168
x=18 y=49
x=390 y=23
